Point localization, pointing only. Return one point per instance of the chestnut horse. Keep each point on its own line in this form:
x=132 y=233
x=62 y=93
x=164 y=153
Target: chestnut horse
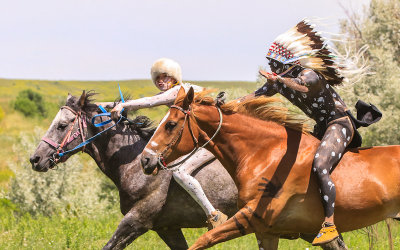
x=270 y=161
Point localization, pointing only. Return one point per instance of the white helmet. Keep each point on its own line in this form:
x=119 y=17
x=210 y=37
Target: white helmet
x=166 y=66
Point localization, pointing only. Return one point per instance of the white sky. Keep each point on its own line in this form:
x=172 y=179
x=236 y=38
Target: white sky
x=120 y=39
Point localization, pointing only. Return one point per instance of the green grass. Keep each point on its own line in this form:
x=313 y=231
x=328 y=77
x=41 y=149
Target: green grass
x=59 y=232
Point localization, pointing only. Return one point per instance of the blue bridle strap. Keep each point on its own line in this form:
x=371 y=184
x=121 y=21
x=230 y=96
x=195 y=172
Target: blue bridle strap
x=89 y=140
x=105 y=113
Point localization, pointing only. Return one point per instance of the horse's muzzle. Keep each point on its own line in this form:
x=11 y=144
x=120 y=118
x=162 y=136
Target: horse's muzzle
x=149 y=164
x=35 y=160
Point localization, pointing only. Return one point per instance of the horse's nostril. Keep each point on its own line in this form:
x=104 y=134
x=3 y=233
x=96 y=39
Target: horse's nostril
x=145 y=161
x=34 y=159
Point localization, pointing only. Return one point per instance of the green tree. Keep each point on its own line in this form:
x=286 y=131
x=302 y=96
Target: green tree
x=30 y=103
x=379 y=28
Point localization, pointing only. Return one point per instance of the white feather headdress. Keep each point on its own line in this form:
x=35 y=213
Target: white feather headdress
x=304 y=46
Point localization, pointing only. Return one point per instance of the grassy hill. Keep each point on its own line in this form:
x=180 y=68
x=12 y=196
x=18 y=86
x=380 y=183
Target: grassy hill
x=55 y=93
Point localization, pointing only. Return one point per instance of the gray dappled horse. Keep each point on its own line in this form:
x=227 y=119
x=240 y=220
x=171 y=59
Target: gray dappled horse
x=147 y=202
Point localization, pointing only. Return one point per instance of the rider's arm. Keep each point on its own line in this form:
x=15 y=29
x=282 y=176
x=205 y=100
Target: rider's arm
x=268 y=89
x=164 y=98
x=301 y=83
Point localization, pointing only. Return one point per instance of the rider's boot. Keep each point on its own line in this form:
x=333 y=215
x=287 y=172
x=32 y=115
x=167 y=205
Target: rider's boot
x=215 y=220
x=327 y=234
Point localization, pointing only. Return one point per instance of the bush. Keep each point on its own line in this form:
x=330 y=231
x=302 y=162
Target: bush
x=30 y=103
x=69 y=190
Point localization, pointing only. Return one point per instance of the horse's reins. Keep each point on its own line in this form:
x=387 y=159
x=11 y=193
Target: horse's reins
x=56 y=157
x=81 y=119
x=162 y=157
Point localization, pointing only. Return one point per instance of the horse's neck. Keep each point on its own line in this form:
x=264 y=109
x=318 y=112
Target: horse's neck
x=115 y=153
x=240 y=138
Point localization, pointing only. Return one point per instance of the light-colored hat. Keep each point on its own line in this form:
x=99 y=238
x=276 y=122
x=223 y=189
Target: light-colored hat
x=166 y=66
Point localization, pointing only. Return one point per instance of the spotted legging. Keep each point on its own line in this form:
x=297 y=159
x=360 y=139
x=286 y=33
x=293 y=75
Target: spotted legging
x=337 y=137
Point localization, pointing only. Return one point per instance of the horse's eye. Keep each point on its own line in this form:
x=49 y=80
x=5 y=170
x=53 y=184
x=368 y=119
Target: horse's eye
x=62 y=126
x=170 y=125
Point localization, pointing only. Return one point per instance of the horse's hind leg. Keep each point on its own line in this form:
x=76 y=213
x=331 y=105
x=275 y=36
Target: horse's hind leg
x=173 y=238
x=240 y=224
x=337 y=244
x=267 y=241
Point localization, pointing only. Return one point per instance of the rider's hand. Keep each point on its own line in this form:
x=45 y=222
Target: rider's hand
x=115 y=112
x=271 y=77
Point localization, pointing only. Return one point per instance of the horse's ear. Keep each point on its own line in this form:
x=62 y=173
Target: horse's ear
x=188 y=99
x=69 y=96
x=70 y=100
x=82 y=99
x=181 y=94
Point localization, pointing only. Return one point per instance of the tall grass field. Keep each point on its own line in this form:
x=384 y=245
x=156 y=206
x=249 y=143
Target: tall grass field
x=60 y=219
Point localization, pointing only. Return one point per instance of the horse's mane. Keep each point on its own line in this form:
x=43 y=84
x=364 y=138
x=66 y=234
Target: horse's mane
x=141 y=124
x=88 y=106
x=263 y=108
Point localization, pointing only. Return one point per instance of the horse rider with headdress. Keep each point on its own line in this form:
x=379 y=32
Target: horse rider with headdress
x=305 y=70
x=166 y=75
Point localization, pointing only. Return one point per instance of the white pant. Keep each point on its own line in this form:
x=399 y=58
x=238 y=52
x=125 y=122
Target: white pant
x=182 y=176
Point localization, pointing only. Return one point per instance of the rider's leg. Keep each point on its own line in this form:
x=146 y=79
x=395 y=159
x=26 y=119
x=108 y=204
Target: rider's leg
x=329 y=152
x=192 y=186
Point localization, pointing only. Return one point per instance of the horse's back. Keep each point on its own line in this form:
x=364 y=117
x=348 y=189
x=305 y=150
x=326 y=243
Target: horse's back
x=377 y=160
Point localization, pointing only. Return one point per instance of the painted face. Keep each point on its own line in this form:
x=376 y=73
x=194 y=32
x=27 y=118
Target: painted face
x=277 y=67
x=164 y=82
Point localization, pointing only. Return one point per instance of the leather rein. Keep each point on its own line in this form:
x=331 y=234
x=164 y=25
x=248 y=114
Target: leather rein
x=162 y=156
x=80 y=118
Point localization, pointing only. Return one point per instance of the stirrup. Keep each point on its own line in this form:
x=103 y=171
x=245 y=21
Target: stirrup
x=216 y=220
x=327 y=234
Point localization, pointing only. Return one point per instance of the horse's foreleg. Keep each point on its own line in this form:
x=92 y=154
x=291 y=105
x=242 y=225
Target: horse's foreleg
x=240 y=224
x=173 y=238
x=267 y=241
x=128 y=230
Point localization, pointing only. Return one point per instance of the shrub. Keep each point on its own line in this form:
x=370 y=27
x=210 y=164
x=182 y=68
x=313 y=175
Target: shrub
x=30 y=103
x=69 y=190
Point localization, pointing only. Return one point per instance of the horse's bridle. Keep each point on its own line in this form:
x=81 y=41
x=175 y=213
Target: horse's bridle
x=162 y=156
x=80 y=117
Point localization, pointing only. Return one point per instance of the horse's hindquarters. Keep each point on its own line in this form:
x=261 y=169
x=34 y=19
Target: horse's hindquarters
x=367 y=191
